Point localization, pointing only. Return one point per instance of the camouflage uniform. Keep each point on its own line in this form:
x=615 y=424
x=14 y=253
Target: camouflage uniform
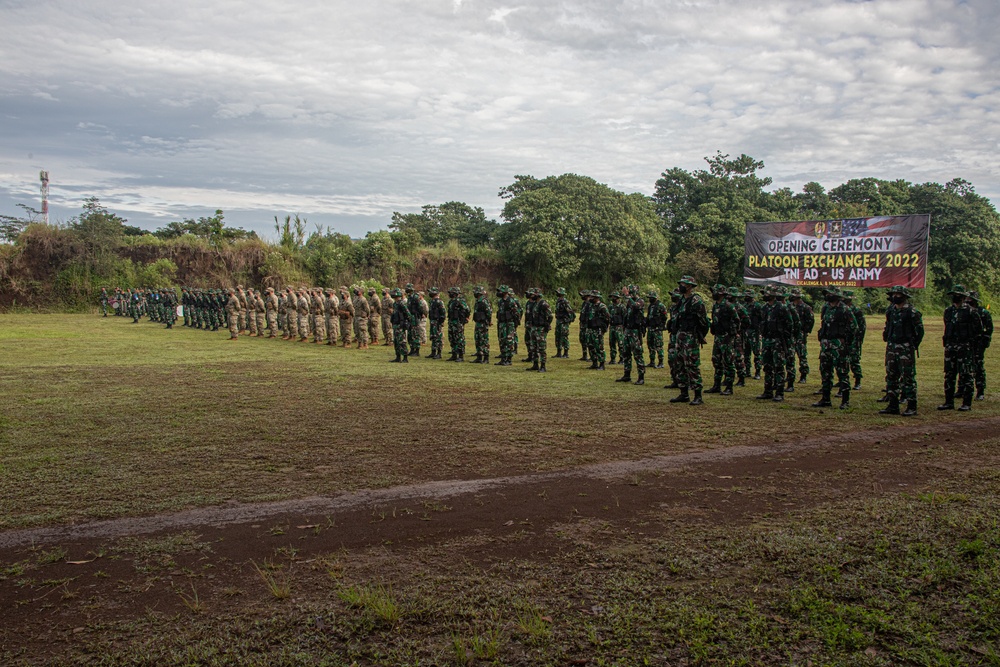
x=424 y=309
x=303 y=306
x=633 y=328
x=413 y=335
x=529 y=336
x=776 y=334
x=564 y=317
x=796 y=334
x=739 y=349
x=291 y=315
x=401 y=323
x=241 y=316
x=332 y=305
x=483 y=317
x=317 y=316
x=979 y=350
x=859 y=341
x=656 y=322
x=436 y=316
x=458 y=316
x=616 y=329
x=584 y=317
x=675 y=380
x=362 y=311
x=271 y=312
x=375 y=316
x=903 y=333
x=752 y=353
x=506 y=325
x=597 y=325
x=233 y=311
x=260 y=312
x=386 y=318
x=692 y=327
x=836 y=334
x=808 y=321
x=724 y=328
x=963 y=330
x=346 y=314
x=541 y=322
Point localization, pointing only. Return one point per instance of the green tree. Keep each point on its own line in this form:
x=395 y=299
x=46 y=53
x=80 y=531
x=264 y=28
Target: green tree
x=452 y=220
x=291 y=232
x=12 y=226
x=572 y=226
x=211 y=228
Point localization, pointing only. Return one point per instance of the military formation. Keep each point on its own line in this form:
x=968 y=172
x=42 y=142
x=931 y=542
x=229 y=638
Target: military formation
x=754 y=337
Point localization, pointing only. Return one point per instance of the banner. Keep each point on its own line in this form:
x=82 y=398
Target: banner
x=855 y=252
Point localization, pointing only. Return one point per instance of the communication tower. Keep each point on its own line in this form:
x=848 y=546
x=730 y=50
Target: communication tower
x=44 y=177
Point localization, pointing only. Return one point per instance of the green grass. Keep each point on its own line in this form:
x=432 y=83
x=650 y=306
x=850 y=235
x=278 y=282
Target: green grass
x=103 y=418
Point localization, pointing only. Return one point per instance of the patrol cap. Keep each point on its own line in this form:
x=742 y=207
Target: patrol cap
x=409 y=287
x=687 y=280
x=616 y=295
x=734 y=291
x=652 y=295
x=848 y=294
x=396 y=292
x=796 y=294
x=718 y=288
x=833 y=290
x=538 y=292
x=634 y=289
x=596 y=293
x=561 y=292
x=959 y=290
x=973 y=295
x=433 y=290
x=749 y=293
x=371 y=290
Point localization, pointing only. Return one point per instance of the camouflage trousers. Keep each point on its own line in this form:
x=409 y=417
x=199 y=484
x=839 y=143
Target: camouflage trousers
x=855 y=358
x=506 y=334
x=751 y=352
x=399 y=341
x=261 y=322
x=834 y=356
x=303 y=327
x=234 y=325
x=774 y=356
x=386 y=329
x=583 y=337
x=959 y=364
x=741 y=364
x=595 y=343
x=654 y=341
x=281 y=321
x=562 y=336
x=632 y=350
x=672 y=360
x=422 y=327
x=529 y=341
x=361 y=331
x=481 y=339
x=373 y=323
x=414 y=338
x=979 y=359
x=272 y=322
x=689 y=360
x=901 y=371
x=456 y=338
x=436 y=337
x=802 y=351
x=332 y=329
x=616 y=342
x=540 y=343
x=319 y=328
x=724 y=358
x=250 y=321
x=292 y=324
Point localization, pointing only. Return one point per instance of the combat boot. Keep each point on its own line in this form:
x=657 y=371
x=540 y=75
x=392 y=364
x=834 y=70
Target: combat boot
x=541 y=368
x=641 y=380
x=728 y=391
x=612 y=362
x=460 y=359
x=601 y=367
x=593 y=366
x=584 y=357
x=949 y=400
x=845 y=398
x=791 y=384
x=911 y=408
x=884 y=398
x=659 y=364
x=981 y=394
x=454 y=356
x=802 y=379
x=857 y=384
x=756 y=375
x=892 y=408
x=697 y=398
x=966 y=401
x=406 y=359
x=398 y=359
x=626 y=377
x=779 y=395
x=683 y=397
x=767 y=395
x=533 y=367
x=823 y=402
x=672 y=385
x=715 y=388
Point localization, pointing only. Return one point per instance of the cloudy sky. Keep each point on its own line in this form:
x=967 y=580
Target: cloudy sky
x=347 y=111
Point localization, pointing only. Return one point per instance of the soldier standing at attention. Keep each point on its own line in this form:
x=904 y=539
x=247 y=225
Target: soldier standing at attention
x=529 y=336
x=616 y=330
x=506 y=324
x=374 y=320
x=413 y=303
x=784 y=295
x=105 y=300
x=635 y=324
x=317 y=309
x=260 y=311
x=483 y=317
x=345 y=312
x=724 y=328
x=302 y=305
x=963 y=330
x=458 y=316
x=424 y=310
x=564 y=317
x=332 y=307
x=675 y=300
x=692 y=327
x=904 y=330
x=271 y=312
x=836 y=333
x=776 y=330
x=807 y=320
x=656 y=322
x=386 y=317
x=743 y=316
x=584 y=318
x=401 y=325
x=436 y=315
x=241 y=296
x=600 y=317
x=233 y=313
x=859 y=341
x=752 y=352
x=984 y=342
x=291 y=314
x=362 y=311
x=541 y=322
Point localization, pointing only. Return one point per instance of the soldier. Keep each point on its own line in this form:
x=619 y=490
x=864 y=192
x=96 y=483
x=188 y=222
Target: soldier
x=963 y=331
x=436 y=315
x=271 y=312
x=458 y=316
x=317 y=312
x=105 y=300
x=656 y=322
x=736 y=298
x=979 y=350
x=776 y=327
x=483 y=317
x=413 y=303
x=260 y=313
x=280 y=311
x=424 y=311
x=400 y=319
x=836 y=335
x=564 y=317
x=241 y=316
x=672 y=322
x=807 y=321
x=597 y=325
x=859 y=341
x=345 y=312
x=616 y=330
x=724 y=328
x=632 y=329
x=692 y=327
x=541 y=322
x=904 y=330
x=291 y=315
x=332 y=307
x=233 y=306
x=529 y=336
x=584 y=317
x=784 y=295
x=506 y=325
x=303 y=305
x=386 y=317
x=520 y=315
x=375 y=306
x=362 y=311
x=752 y=352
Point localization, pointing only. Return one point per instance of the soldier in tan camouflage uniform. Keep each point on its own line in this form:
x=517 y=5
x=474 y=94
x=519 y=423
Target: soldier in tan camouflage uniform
x=373 y=320
x=424 y=310
x=260 y=313
x=241 y=316
x=318 y=310
x=291 y=314
x=271 y=311
x=386 y=317
x=346 y=313
x=303 y=303
x=233 y=313
x=362 y=311
x=332 y=318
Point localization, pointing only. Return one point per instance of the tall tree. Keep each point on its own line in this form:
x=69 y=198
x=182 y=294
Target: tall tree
x=454 y=220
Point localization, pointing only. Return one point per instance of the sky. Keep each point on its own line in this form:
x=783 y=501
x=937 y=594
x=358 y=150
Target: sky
x=344 y=112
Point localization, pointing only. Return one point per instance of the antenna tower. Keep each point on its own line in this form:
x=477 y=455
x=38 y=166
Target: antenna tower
x=44 y=177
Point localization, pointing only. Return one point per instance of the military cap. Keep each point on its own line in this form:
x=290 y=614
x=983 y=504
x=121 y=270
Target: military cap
x=538 y=292
x=833 y=290
x=749 y=293
x=734 y=291
x=616 y=295
x=343 y=288
x=687 y=280
x=433 y=290
x=409 y=287
x=561 y=292
x=847 y=294
x=596 y=293
x=477 y=290
x=899 y=289
x=634 y=289
x=583 y=292
x=371 y=290
x=397 y=292
x=973 y=295
x=718 y=288
x=796 y=294
x=652 y=295
x=269 y=289
x=959 y=290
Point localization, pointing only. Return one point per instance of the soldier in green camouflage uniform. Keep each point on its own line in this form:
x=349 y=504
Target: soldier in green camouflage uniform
x=584 y=317
x=506 y=325
x=675 y=301
x=785 y=296
x=904 y=330
x=401 y=320
x=979 y=350
x=963 y=330
x=564 y=317
x=436 y=315
x=724 y=327
x=413 y=303
x=743 y=316
x=635 y=326
x=616 y=329
x=752 y=355
x=656 y=322
x=692 y=327
x=776 y=333
x=458 y=315
x=529 y=336
x=541 y=322
x=836 y=335
x=859 y=341
x=482 y=315
x=597 y=325
x=807 y=321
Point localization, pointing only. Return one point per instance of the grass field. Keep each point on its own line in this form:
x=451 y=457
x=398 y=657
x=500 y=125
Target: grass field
x=883 y=549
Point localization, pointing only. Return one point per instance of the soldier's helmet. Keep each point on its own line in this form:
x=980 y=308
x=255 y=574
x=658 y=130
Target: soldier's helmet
x=959 y=290
x=409 y=287
x=687 y=280
x=561 y=292
x=652 y=294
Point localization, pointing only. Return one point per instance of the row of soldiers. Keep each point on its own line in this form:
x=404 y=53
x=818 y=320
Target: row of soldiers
x=159 y=304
